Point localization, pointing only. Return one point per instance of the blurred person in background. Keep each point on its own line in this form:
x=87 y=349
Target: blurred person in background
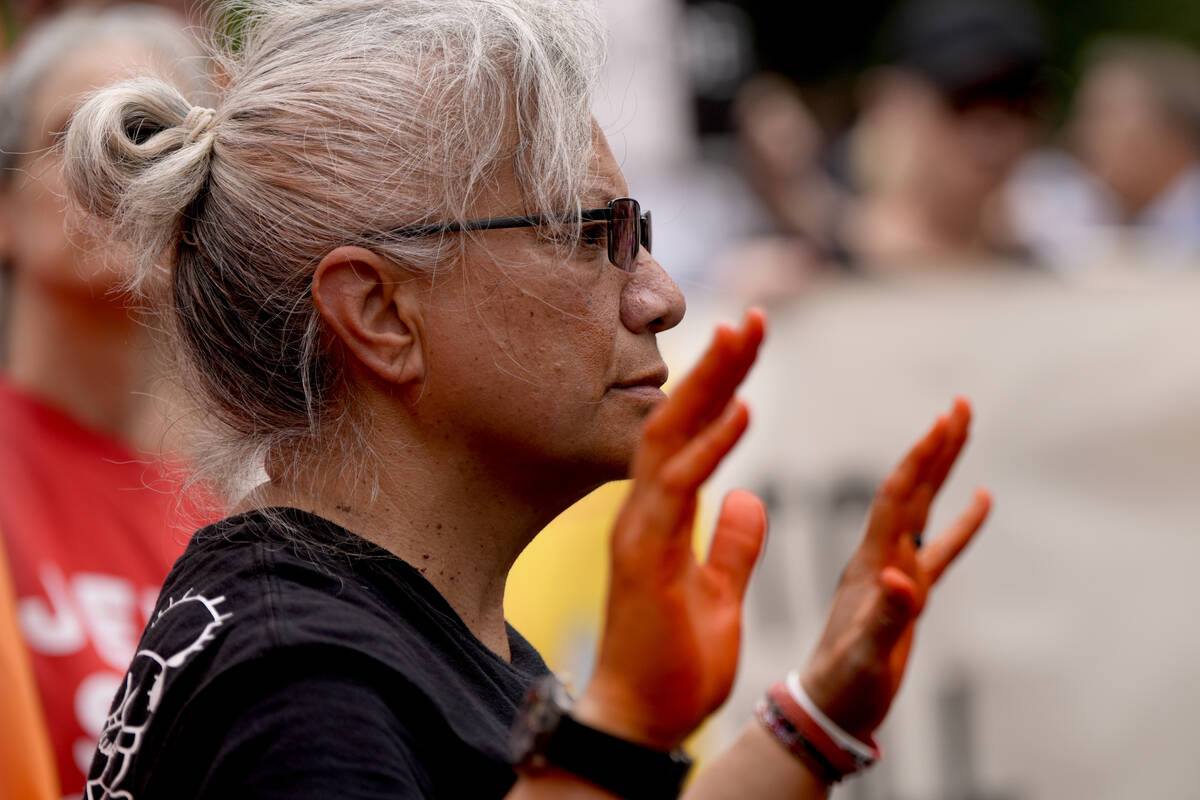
x=1125 y=193
x=1136 y=128
x=781 y=150
x=915 y=183
x=89 y=514
x=22 y=14
x=941 y=130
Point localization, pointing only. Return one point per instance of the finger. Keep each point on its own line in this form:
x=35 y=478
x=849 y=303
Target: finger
x=692 y=466
x=895 y=605
x=939 y=554
x=738 y=539
x=666 y=497
x=909 y=472
x=886 y=522
x=957 y=429
x=707 y=389
x=937 y=469
x=911 y=522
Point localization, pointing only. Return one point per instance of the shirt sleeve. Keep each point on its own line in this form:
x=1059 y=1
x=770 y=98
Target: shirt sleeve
x=300 y=733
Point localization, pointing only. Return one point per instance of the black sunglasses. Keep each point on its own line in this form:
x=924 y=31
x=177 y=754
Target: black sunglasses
x=627 y=228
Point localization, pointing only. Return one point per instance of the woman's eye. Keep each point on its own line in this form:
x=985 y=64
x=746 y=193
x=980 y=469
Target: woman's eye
x=594 y=235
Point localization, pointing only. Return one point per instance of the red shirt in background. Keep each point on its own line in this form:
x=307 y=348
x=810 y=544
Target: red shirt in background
x=91 y=530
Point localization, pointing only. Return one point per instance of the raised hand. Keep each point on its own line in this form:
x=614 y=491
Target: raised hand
x=672 y=629
x=856 y=669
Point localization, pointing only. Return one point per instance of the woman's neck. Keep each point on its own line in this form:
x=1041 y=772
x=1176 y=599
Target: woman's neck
x=80 y=354
x=441 y=512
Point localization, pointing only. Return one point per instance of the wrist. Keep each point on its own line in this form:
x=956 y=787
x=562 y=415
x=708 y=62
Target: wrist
x=863 y=750
x=615 y=713
x=796 y=723
x=828 y=698
x=549 y=737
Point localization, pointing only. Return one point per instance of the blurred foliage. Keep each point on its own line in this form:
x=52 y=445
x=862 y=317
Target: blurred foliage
x=233 y=24
x=1074 y=23
x=18 y=15
x=8 y=26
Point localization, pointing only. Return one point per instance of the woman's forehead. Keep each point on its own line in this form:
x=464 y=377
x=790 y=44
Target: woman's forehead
x=604 y=182
x=605 y=179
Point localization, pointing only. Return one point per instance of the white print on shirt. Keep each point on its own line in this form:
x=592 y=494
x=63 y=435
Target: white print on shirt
x=193 y=621
x=92 y=701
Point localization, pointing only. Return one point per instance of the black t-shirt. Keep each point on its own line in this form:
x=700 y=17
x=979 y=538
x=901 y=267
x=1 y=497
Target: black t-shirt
x=289 y=658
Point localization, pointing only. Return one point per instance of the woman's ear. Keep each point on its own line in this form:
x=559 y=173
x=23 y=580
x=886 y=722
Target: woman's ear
x=374 y=309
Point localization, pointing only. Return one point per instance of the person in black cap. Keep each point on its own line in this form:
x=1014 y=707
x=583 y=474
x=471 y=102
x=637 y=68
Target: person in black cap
x=975 y=52
x=943 y=125
x=913 y=185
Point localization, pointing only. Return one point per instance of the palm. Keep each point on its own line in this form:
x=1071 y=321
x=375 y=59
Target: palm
x=673 y=624
x=860 y=660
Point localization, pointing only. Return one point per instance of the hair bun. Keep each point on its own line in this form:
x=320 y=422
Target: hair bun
x=137 y=155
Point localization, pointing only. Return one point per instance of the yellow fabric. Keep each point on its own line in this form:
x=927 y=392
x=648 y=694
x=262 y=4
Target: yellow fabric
x=557 y=589
x=26 y=764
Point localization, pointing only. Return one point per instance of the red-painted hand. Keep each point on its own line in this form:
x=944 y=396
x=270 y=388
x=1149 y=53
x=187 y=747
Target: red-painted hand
x=856 y=669
x=672 y=629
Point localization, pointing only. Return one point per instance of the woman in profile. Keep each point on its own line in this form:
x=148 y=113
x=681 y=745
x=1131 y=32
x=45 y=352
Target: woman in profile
x=403 y=269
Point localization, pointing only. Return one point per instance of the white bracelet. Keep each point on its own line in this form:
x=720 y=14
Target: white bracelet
x=863 y=752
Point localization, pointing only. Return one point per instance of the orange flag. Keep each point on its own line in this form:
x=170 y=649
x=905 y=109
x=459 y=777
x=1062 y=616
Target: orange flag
x=26 y=765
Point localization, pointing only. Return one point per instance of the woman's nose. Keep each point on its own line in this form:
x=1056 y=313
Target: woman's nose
x=651 y=300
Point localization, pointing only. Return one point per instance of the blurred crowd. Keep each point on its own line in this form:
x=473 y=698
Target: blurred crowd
x=964 y=149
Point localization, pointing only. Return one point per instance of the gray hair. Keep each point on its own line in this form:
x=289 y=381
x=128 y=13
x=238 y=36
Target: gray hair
x=341 y=119
x=162 y=32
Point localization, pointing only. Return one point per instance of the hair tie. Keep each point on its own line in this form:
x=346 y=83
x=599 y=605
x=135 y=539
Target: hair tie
x=198 y=122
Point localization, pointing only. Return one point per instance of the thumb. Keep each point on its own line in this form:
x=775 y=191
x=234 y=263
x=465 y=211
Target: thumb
x=894 y=609
x=738 y=539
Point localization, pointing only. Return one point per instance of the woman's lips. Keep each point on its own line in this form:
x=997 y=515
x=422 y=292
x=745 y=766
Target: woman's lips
x=648 y=386
x=650 y=380
x=648 y=391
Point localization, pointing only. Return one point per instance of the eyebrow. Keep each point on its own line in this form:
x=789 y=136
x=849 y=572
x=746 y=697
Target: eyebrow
x=602 y=193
